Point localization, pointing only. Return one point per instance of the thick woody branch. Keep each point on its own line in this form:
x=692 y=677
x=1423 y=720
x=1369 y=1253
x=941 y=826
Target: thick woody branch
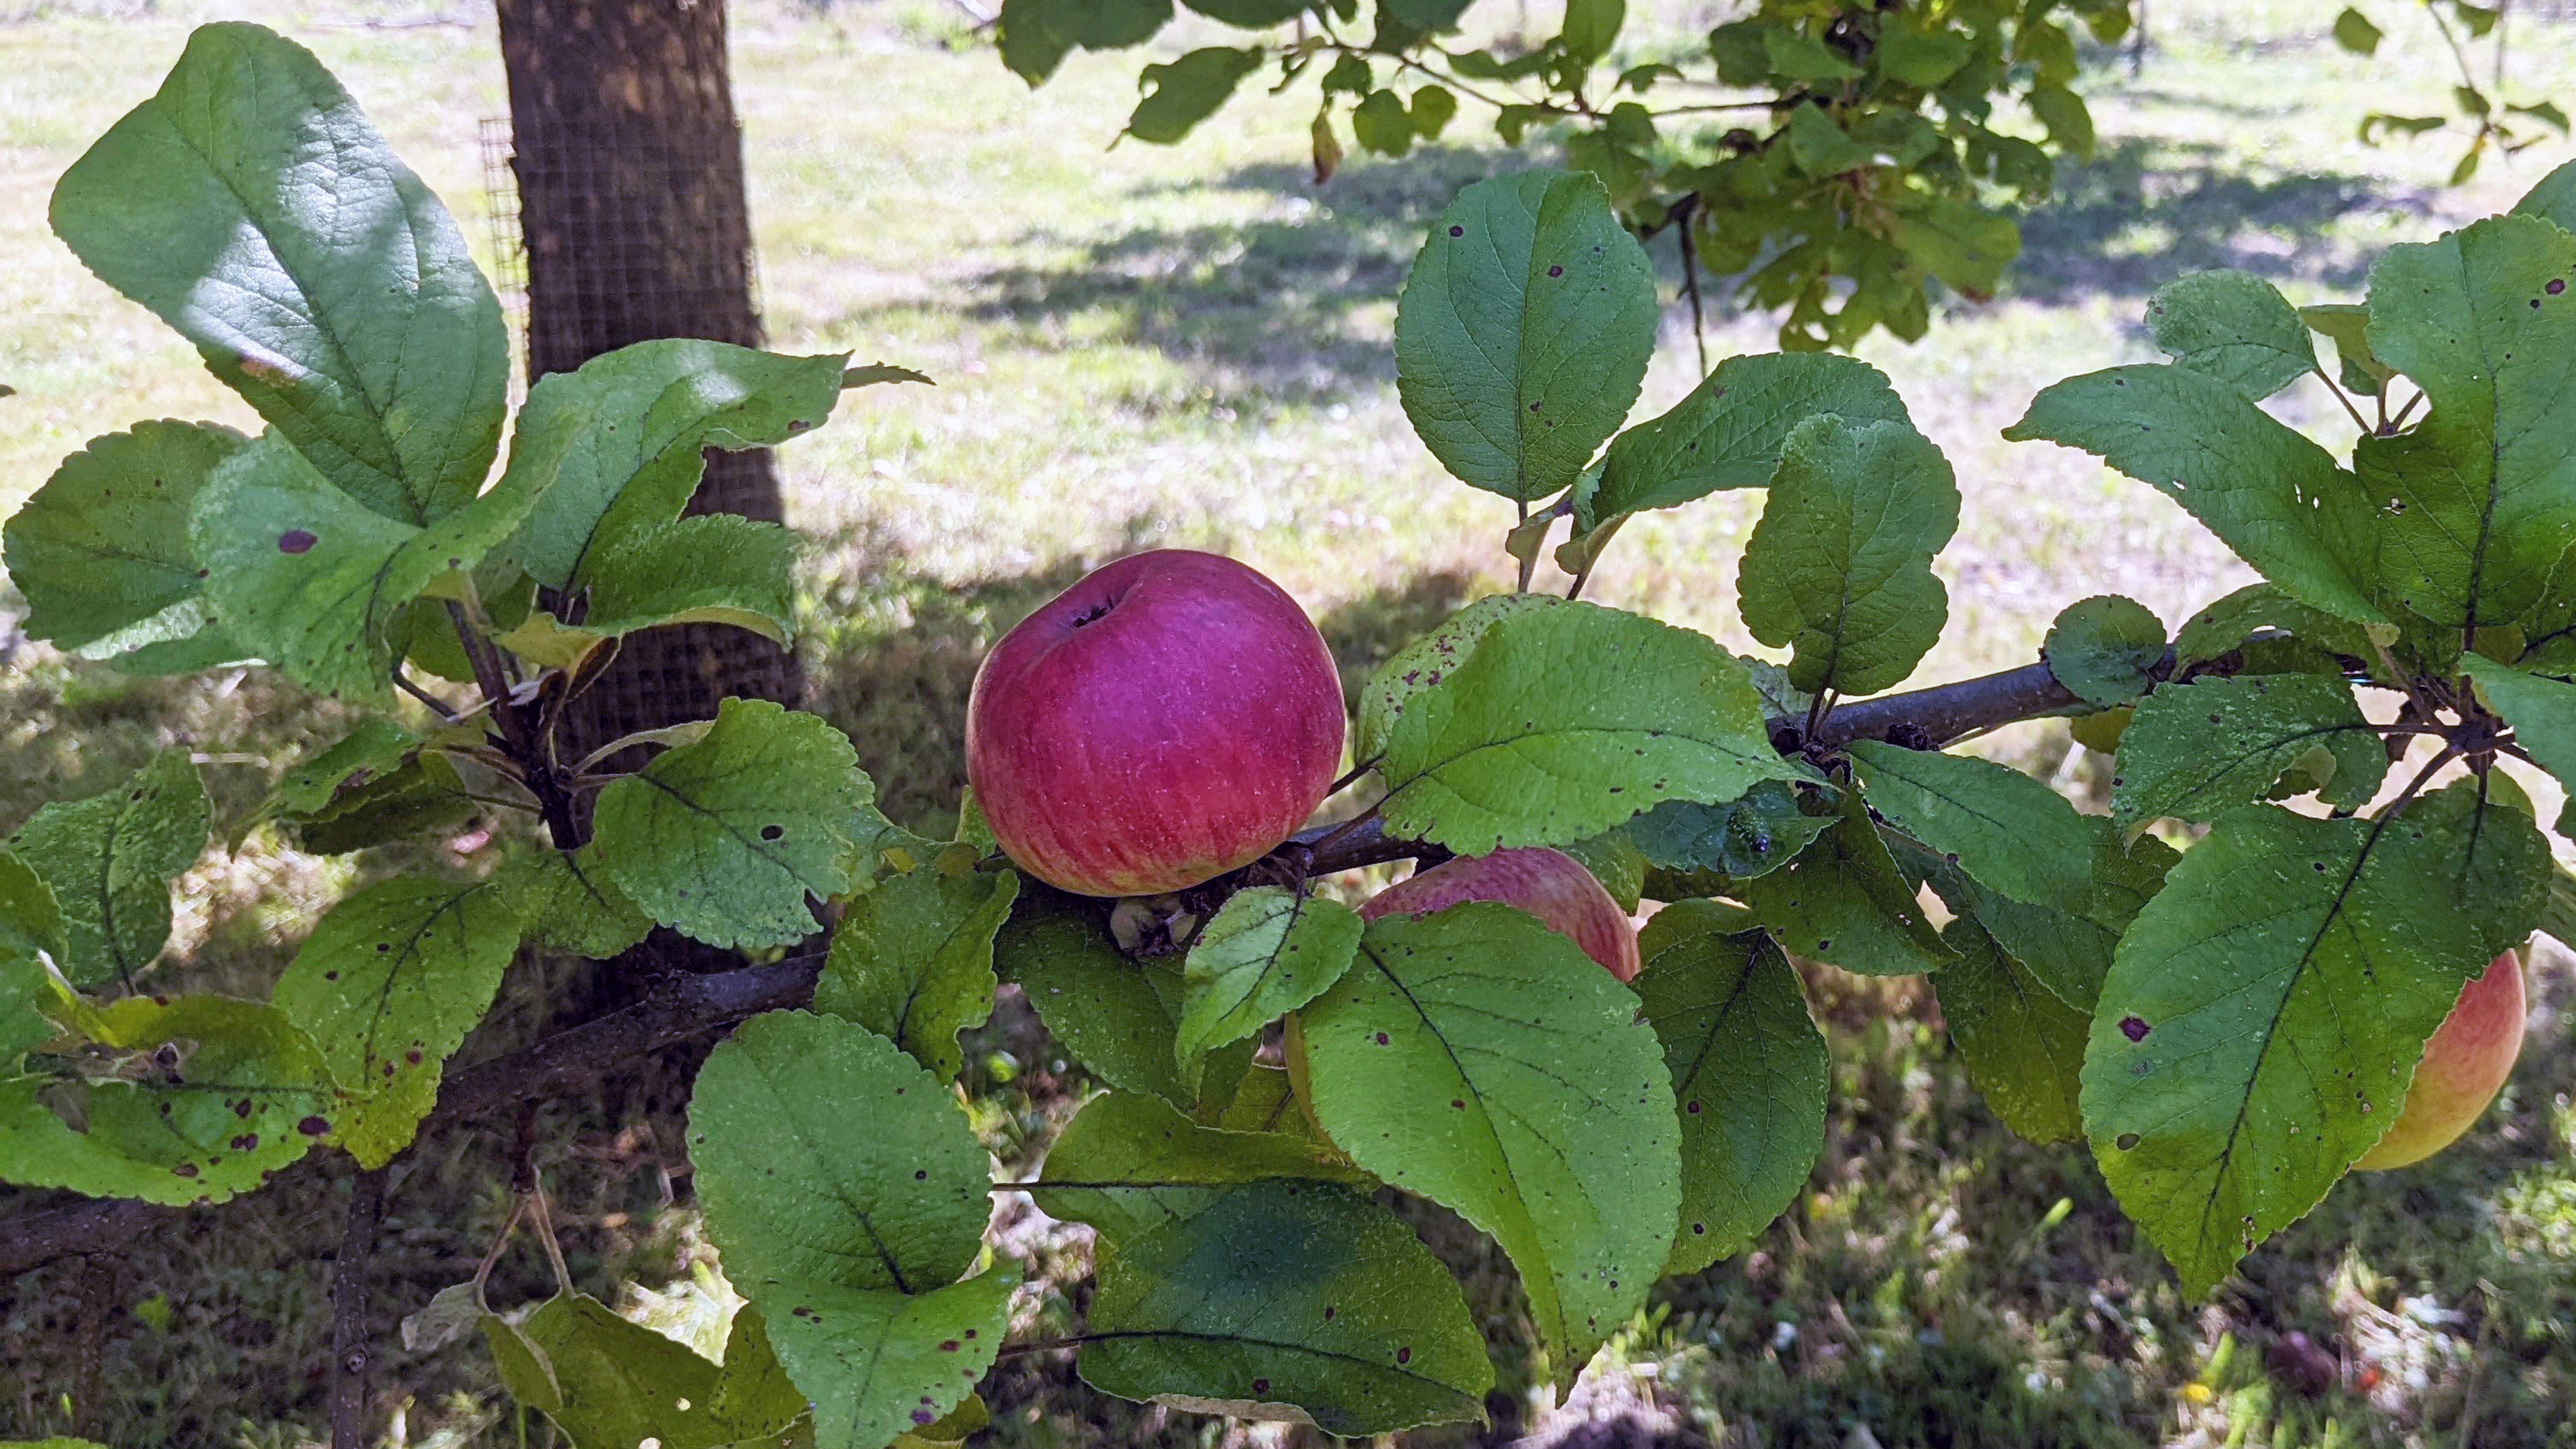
x=680 y=1007
x=1946 y=712
x=352 y=1345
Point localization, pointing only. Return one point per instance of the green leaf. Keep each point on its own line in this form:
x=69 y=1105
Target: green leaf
x=912 y=960
x=2554 y=198
x=1749 y=1073
x=1188 y=91
x=251 y=206
x=1819 y=147
x=617 y=447
x=2354 y=32
x=2546 y=113
x=1480 y=1059
x=109 y=860
x=245 y=1099
x=1565 y=722
x=1955 y=240
x=1118 y=1017
x=1249 y=14
x=1797 y=56
x=421 y=794
x=2068 y=952
x=1840 y=567
x=2225 y=626
x=1591 y=27
x=388 y=985
x=1743 y=838
x=565 y=905
x=2377 y=123
x=723 y=838
x=2558 y=908
x=2270 y=494
x=826 y=1156
x=1843 y=901
x=2062 y=112
x=877 y=1362
x=2007 y=832
x=1129 y=1163
x=1433 y=108
x=376 y=748
x=1030 y=48
x=2235 y=327
x=1614 y=861
x=2347 y=326
x=873 y=373
x=31 y=921
x=1270 y=950
x=1522 y=335
x=604 y=1379
x=2023 y=1046
x=2105 y=648
x=717 y=568
x=1729 y=432
x=1304 y=1302
x=101 y=551
x=1380 y=124
x=2487 y=501
x=1423 y=663
x=1107 y=24
x=1922 y=58
x=1433 y=17
x=2263 y=1018
x=315 y=582
x=2196 y=751
x=2542 y=712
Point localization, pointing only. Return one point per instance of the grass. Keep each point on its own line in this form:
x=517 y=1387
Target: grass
x=1138 y=345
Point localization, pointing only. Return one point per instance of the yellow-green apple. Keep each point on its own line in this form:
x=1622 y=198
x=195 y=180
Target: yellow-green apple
x=2465 y=1064
x=1168 y=718
x=1549 y=884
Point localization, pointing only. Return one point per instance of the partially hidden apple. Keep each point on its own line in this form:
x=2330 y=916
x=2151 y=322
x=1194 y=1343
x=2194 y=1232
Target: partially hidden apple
x=2465 y=1064
x=1170 y=717
x=1549 y=884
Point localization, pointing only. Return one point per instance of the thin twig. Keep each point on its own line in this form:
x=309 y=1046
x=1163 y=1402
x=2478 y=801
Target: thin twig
x=351 y=1341
x=2423 y=707
x=2407 y=411
x=437 y=706
x=1690 y=289
x=2340 y=396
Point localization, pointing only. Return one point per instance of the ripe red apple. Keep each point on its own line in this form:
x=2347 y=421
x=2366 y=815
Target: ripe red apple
x=2465 y=1064
x=1168 y=718
x=1549 y=884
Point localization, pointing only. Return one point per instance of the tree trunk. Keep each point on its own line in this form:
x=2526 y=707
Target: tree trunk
x=629 y=166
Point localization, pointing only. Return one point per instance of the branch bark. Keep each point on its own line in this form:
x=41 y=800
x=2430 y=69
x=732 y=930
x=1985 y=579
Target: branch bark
x=681 y=1006
x=352 y=1345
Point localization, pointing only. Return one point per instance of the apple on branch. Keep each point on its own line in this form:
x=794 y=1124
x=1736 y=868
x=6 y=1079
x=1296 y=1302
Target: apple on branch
x=1170 y=717
x=2465 y=1064
x=1549 y=884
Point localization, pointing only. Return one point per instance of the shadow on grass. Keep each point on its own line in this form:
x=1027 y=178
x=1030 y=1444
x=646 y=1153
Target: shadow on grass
x=1286 y=307
x=2146 y=212
x=1266 y=308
